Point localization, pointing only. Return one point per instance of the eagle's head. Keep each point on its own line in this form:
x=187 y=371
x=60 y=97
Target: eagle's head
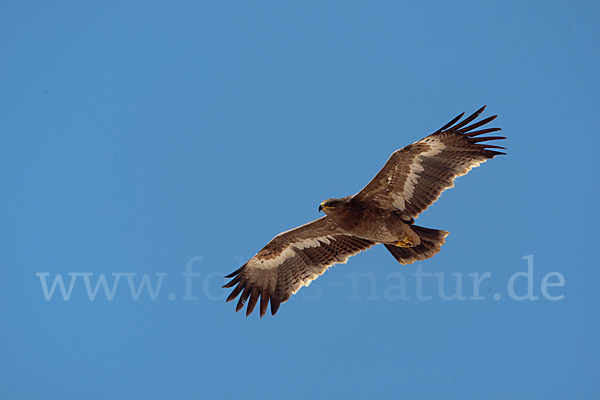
x=334 y=206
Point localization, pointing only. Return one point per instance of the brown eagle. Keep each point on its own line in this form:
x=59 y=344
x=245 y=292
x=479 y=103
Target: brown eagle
x=382 y=212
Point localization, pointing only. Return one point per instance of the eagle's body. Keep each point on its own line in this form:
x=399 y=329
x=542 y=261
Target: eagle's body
x=383 y=212
x=366 y=221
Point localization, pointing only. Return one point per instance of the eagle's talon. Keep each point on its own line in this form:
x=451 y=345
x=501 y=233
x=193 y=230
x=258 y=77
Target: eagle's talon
x=406 y=242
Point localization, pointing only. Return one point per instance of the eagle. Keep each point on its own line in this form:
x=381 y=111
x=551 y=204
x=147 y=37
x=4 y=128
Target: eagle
x=383 y=212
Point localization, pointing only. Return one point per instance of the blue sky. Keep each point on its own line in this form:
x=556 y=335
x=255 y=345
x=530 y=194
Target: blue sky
x=141 y=137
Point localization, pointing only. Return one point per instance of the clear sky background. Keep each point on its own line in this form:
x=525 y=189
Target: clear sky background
x=138 y=137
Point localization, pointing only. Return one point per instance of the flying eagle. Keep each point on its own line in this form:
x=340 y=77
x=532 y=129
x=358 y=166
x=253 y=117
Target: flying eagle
x=382 y=212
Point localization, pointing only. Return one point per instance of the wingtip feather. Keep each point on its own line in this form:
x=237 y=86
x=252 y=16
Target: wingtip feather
x=243 y=298
x=252 y=302
x=236 y=291
x=450 y=123
x=274 y=306
x=477 y=124
x=234 y=273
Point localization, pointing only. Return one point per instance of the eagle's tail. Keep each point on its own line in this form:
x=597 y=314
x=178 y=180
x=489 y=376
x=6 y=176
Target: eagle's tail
x=431 y=241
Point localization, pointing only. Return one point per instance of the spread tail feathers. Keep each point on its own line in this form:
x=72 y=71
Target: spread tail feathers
x=431 y=241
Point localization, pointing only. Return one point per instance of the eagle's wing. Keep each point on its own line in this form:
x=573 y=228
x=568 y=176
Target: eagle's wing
x=414 y=177
x=289 y=261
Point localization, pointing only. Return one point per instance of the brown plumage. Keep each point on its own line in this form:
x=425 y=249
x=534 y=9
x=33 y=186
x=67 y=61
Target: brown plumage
x=382 y=212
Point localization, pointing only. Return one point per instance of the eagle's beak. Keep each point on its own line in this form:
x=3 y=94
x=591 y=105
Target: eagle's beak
x=322 y=206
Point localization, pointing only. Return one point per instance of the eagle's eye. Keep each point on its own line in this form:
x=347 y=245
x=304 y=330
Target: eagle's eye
x=331 y=204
